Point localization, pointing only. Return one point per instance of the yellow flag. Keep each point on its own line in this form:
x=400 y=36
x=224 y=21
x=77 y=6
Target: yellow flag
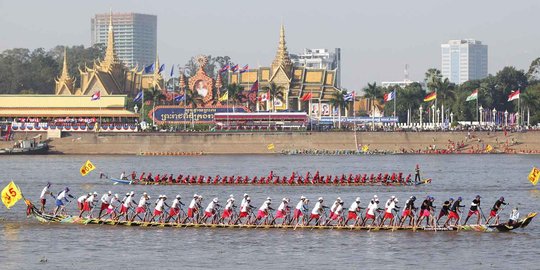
x=270 y=146
x=534 y=176
x=11 y=194
x=87 y=167
x=489 y=148
x=224 y=97
x=365 y=148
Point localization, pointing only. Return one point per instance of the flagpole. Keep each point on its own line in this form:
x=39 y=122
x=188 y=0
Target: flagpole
x=477 y=110
x=354 y=124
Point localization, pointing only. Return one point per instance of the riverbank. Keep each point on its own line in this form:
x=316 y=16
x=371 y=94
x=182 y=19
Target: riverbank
x=259 y=142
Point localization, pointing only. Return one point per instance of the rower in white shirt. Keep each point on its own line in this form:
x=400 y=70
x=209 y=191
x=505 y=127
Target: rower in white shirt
x=42 y=197
x=317 y=212
x=159 y=209
x=228 y=209
x=174 y=211
x=105 y=201
x=388 y=212
x=354 y=209
x=211 y=210
x=142 y=208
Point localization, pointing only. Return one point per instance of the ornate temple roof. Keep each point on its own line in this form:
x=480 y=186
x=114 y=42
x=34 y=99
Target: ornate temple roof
x=282 y=59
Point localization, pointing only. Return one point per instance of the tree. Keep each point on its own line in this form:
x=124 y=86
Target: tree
x=193 y=98
x=276 y=92
x=533 y=75
x=530 y=101
x=445 y=92
x=235 y=93
x=338 y=101
x=373 y=92
x=433 y=76
x=508 y=79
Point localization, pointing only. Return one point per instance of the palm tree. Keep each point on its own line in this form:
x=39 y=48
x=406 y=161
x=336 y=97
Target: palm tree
x=235 y=93
x=276 y=92
x=193 y=98
x=156 y=95
x=373 y=92
x=530 y=99
x=433 y=76
x=338 y=101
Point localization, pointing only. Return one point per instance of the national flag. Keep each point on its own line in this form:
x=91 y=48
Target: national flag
x=244 y=69
x=265 y=96
x=489 y=148
x=533 y=176
x=306 y=97
x=514 y=95
x=11 y=194
x=179 y=98
x=138 y=97
x=473 y=96
x=349 y=96
x=172 y=70
x=390 y=96
x=431 y=96
x=252 y=94
x=96 y=96
x=161 y=68
x=87 y=167
x=149 y=69
x=270 y=146
x=224 y=97
x=224 y=68
x=255 y=86
x=234 y=68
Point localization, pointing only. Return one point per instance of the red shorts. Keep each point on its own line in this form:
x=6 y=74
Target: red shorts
x=315 y=216
x=208 y=214
x=227 y=213
x=388 y=215
x=425 y=213
x=297 y=213
x=280 y=214
x=352 y=215
x=80 y=205
x=157 y=212
x=110 y=210
x=406 y=212
x=173 y=212
x=43 y=201
x=471 y=212
x=190 y=212
x=453 y=214
x=243 y=214
x=86 y=206
x=104 y=206
x=368 y=216
x=493 y=213
x=261 y=214
x=140 y=210
x=335 y=216
x=123 y=209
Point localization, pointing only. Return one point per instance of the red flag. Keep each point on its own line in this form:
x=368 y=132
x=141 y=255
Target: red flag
x=514 y=95
x=306 y=97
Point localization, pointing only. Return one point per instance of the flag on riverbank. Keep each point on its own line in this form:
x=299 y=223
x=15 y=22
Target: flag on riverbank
x=473 y=96
x=514 y=95
x=224 y=97
x=96 y=96
x=534 y=176
x=270 y=146
x=11 y=194
x=87 y=168
x=389 y=96
x=489 y=148
x=349 y=96
x=224 y=68
x=431 y=96
x=306 y=97
x=138 y=97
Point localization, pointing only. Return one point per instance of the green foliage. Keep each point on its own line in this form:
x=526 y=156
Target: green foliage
x=276 y=92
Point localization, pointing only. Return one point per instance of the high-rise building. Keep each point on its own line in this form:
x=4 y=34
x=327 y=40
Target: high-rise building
x=320 y=59
x=135 y=36
x=464 y=60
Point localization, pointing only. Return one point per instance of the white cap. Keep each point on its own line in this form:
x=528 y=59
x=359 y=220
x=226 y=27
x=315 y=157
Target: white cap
x=392 y=197
x=164 y=196
x=302 y=197
x=358 y=199
x=110 y=192
x=116 y=195
x=248 y=198
x=231 y=196
x=284 y=199
x=178 y=197
x=95 y=193
x=375 y=197
x=246 y=195
x=132 y=192
x=395 y=200
x=144 y=194
x=215 y=200
x=320 y=198
x=268 y=198
x=127 y=194
x=338 y=199
x=195 y=195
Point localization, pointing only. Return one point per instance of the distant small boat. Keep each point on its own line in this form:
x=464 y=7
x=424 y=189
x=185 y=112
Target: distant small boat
x=27 y=147
x=120 y=181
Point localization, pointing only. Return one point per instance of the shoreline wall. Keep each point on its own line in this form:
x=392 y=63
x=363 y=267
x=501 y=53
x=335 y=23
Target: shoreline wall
x=257 y=142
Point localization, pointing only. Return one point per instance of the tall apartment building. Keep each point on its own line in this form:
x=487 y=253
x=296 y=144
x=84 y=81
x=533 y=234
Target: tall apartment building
x=135 y=36
x=320 y=59
x=464 y=60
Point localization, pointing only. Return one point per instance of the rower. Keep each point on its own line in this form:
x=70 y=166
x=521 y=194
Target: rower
x=228 y=209
x=338 y=215
x=174 y=211
x=211 y=210
x=408 y=212
x=514 y=217
x=474 y=210
x=333 y=208
x=298 y=211
x=90 y=203
x=133 y=176
x=105 y=201
x=354 y=209
x=417 y=174
x=445 y=209
x=81 y=201
x=282 y=211
x=159 y=209
x=42 y=198
x=245 y=209
x=263 y=210
x=111 y=208
x=126 y=205
x=388 y=212
x=192 y=209
x=142 y=206
x=123 y=176
x=454 y=212
x=317 y=212
x=62 y=196
x=372 y=208
x=495 y=209
x=426 y=211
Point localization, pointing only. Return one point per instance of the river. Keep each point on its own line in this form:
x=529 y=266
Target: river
x=25 y=242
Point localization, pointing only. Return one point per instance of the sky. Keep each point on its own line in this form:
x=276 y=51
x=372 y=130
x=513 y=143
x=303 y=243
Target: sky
x=377 y=38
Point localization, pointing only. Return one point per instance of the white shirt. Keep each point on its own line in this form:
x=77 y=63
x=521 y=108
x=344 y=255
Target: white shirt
x=211 y=206
x=339 y=209
x=282 y=206
x=113 y=199
x=62 y=195
x=334 y=206
x=317 y=210
x=122 y=175
x=229 y=204
x=388 y=203
x=193 y=203
x=264 y=206
x=354 y=207
x=244 y=206
x=127 y=201
x=175 y=204
x=390 y=207
x=44 y=192
x=160 y=204
x=106 y=198
x=142 y=202
x=300 y=205
x=515 y=215
x=91 y=198
x=81 y=199
x=372 y=208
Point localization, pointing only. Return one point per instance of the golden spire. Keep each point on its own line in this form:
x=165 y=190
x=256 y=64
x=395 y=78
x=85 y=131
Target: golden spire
x=65 y=75
x=64 y=79
x=110 y=54
x=282 y=55
x=219 y=81
x=182 y=82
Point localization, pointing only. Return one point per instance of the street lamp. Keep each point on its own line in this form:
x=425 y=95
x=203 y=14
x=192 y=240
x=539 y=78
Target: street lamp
x=493 y=113
x=136 y=108
x=438 y=114
x=421 y=109
x=481 y=110
x=433 y=112
x=451 y=118
x=505 y=118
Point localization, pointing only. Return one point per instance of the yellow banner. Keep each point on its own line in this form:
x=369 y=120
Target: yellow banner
x=365 y=148
x=87 y=167
x=11 y=194
x=270 y=146
x=224 y=97
x=489 y=148
x=534 y=176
